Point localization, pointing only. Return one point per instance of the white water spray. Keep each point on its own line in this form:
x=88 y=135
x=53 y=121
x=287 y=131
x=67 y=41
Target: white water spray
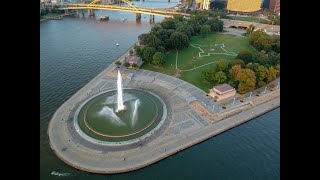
x=135 y=114
x=120 y=95
x=108 y=112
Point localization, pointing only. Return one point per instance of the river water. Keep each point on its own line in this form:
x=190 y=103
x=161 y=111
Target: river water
x=75 y=50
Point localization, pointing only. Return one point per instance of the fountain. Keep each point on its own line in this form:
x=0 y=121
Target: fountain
x=120 y=114
x=121 y=107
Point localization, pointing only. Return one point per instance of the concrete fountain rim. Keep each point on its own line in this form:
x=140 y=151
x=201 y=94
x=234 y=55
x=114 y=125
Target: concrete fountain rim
x=119 y=143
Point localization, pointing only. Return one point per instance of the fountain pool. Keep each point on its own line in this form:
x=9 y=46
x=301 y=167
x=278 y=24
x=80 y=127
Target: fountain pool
x=99 y=119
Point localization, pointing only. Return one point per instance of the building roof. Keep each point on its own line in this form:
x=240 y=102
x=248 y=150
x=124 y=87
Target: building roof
x=223 y=88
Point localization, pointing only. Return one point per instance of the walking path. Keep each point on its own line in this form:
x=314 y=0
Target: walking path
x=184 y=126
x=208 y=54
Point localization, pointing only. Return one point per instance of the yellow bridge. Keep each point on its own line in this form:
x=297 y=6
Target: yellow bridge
x=169 y=13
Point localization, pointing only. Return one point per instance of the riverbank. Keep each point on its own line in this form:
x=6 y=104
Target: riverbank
x=54 y=16
x=185 y=124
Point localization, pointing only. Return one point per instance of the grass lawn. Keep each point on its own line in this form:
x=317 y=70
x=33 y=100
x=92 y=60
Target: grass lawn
x=189 y=58
x=250 y=19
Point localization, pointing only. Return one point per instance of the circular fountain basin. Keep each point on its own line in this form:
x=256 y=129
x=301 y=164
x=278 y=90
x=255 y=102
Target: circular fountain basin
x=97 y=119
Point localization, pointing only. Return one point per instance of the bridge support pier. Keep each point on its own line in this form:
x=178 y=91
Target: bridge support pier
x=151 y=19
x=66 y=11
x=138 y=17
x=91 y=12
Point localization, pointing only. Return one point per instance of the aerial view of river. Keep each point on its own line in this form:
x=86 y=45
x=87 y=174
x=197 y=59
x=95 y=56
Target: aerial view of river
x=74 y=50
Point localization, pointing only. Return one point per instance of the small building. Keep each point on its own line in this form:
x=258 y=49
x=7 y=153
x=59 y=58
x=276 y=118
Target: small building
x=132 y=59
x=222 y=91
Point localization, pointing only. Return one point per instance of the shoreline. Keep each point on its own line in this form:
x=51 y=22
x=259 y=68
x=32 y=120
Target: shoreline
x=176 y=92
x=134 y=161
x=62 y=15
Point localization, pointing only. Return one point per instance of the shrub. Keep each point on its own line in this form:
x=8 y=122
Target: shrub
x=118 y=63
x=258 y=93
x=271 y=86
x=134 y=65
x=126 y=64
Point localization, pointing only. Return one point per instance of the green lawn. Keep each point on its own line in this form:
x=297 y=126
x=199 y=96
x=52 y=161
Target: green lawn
x=189 y=58
x=249 y=19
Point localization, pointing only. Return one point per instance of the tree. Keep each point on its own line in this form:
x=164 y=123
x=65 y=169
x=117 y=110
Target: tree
x=262 y=74
x=250 y=29
x=201 y=18
x=215 y=24
x=246 y=56
x=168 y=24
x=262 y=58
x=143 y=38
x=252 y=66
x=259 y=39
x=158 y=58
x=265 y=43
x=220 y=77
x=186 y=29
x=134 y=65
x=237 y=61
x=138 y=50
x=247 y=80
x=277 y=67
x=153 y=40
x=179 y=40
x=260 y=84
x=161 y=49
x=148 y=53
x=162 y=34
x=234 y=71
x=273 y=58
x=156 y=27
x=205 y=30
x=276 y=43
x=131 y=52
x=222 y=65
x=207 y=75
x=118 y=63
x=272 y=74
x=178 y=17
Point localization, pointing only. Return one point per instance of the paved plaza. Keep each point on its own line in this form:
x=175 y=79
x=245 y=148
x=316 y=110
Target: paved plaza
x=188 y=122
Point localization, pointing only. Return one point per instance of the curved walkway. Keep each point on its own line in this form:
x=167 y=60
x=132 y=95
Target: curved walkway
x=183 y=127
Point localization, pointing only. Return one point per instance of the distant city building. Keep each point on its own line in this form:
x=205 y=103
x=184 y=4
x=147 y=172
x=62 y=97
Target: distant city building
x=203 y=4
x=222 y=91
x=246 y=6
x=275 y=6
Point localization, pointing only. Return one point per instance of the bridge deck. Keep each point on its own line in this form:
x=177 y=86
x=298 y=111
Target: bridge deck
x=158 y=12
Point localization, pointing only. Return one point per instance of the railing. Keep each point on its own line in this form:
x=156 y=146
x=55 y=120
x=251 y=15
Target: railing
x=222 y=105
x=125 y=8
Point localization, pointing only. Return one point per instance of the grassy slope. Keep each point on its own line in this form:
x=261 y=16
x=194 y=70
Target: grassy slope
x=188 y=58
